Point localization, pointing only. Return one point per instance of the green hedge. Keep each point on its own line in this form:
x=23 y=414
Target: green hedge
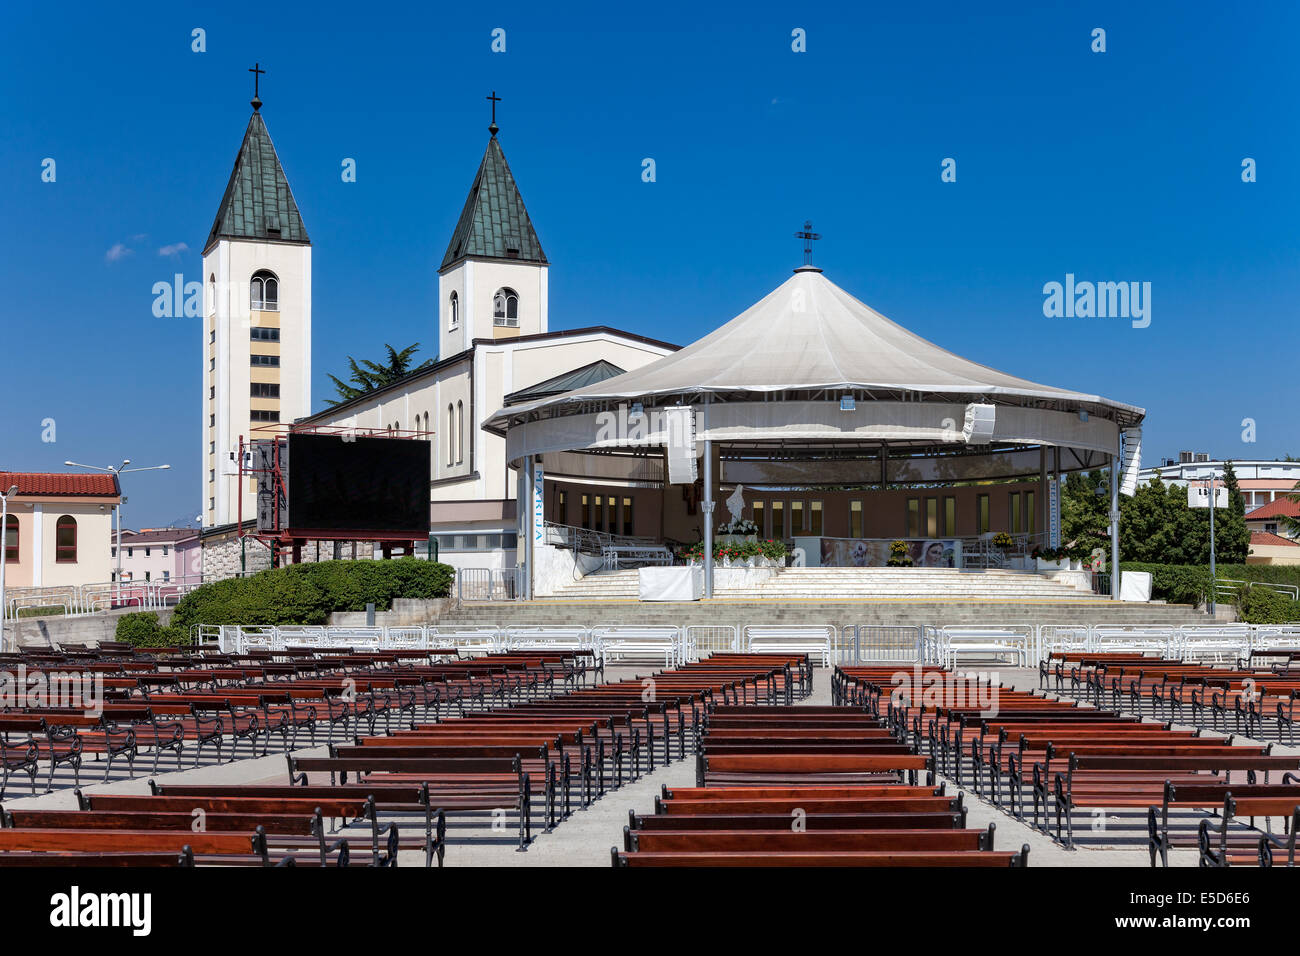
x=143 y=629
x=1189 y=583
x=1262 y=606
x=308 y=593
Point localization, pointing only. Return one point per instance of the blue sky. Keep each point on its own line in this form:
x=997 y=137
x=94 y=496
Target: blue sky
x=1115 y=166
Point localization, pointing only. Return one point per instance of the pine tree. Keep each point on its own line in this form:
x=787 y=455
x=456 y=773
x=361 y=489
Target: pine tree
x=1231 y=536
x=375 y=376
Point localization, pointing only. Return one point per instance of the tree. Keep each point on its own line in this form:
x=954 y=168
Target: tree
x=375 y=376
x=1292 y=524
x=1231 y=536
x=1084 y=512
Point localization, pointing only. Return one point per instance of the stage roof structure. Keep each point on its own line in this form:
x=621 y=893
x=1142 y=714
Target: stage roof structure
x=769 y=386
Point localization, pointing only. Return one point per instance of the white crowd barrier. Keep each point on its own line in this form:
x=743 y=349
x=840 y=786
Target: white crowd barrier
x=1019 y=644
x=815 y=639
x=1016 y=641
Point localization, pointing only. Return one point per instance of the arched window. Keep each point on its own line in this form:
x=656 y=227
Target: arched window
x=460 y=432
x=505 y=307
x=451 y=435
x=264 y=293
x=453 y=311
x=212 y=293
x=65 y=540
x=11 y=539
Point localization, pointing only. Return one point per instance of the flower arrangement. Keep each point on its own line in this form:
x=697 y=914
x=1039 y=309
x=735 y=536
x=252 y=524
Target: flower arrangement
x=772 y=550
x=1003 y=541
x=900 y=556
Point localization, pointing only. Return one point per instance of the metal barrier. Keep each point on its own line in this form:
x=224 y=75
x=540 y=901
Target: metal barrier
x=488 y=584
x=850 y=644
x=711 y=639
x=867 y=643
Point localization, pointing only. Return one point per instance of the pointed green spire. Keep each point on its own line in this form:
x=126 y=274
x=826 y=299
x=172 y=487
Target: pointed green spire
x=494 y=223
x=258 y=203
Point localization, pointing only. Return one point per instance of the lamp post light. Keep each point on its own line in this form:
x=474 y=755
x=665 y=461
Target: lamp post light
x=118 y=472
x=4 y=556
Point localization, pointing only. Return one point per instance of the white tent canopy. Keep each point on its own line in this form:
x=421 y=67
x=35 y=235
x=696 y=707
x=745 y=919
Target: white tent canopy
x=807 y=337
x=767 y=390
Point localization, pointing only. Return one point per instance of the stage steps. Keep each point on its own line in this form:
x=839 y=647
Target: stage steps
x=839 y=596
x=856 y=583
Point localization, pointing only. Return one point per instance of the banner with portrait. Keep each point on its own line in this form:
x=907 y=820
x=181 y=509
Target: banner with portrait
x=875 y=553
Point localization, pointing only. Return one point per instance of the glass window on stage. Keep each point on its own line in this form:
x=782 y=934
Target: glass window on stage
x=760 y=517
x=913 y=518
x=815 y=518
x=855 y=519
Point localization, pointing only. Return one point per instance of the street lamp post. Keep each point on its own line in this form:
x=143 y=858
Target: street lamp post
x=4 y=555
x=118 y=472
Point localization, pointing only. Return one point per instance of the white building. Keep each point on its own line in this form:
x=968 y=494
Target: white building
x=1260 y=481
x=257 y=319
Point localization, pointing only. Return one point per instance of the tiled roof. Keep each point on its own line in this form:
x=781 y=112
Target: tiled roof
x=1268 y=538
x=494 y=223
x=1282 y=507
x=59 y=485
x=258 y=203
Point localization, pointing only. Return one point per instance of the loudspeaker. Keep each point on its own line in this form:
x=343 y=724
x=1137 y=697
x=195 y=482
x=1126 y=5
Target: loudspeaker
x=980 y=420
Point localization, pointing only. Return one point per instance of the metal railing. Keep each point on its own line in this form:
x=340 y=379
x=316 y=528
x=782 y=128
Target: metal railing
x=489 y=584
x=869 y=643
x=75 y=600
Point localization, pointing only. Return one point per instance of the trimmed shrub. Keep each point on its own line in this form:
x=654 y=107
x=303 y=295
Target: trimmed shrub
x=1263 y=606
x=308 y=593
x=143 y=629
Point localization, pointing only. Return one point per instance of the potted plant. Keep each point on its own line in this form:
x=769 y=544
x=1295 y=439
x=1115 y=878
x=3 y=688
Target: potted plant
x=1051 y=559
x=900 y=555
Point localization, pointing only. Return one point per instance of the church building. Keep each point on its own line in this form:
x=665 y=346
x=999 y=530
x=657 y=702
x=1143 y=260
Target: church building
x=496 y=347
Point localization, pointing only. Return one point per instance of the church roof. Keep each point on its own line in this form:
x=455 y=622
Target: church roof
x=597 y=371
x=258 y=203
x=494 y=223
x=809 y=334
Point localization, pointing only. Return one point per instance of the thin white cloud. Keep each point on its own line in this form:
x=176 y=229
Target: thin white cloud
x=174 y=249
x=118 y=251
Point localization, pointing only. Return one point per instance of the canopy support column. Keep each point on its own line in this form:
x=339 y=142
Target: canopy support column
x=706 y=508
x=1042 y=520
x=524 y=522
x=1056 y=498
x=1114 y=523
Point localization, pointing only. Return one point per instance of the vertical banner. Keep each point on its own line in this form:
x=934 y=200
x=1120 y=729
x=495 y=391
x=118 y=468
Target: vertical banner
x=539 y=502
x=1054 y=512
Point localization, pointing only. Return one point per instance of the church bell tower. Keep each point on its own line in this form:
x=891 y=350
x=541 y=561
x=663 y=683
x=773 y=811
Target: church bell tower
x=256 y=318
x=492 y=283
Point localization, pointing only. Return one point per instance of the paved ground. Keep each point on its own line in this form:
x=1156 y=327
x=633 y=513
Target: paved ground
x=586 y=837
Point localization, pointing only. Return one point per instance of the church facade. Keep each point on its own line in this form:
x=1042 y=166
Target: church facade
x=496 y=347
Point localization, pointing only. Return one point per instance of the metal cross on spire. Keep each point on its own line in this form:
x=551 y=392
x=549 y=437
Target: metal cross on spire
x=258 y=73
x=808 y=237
x=495 y=100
